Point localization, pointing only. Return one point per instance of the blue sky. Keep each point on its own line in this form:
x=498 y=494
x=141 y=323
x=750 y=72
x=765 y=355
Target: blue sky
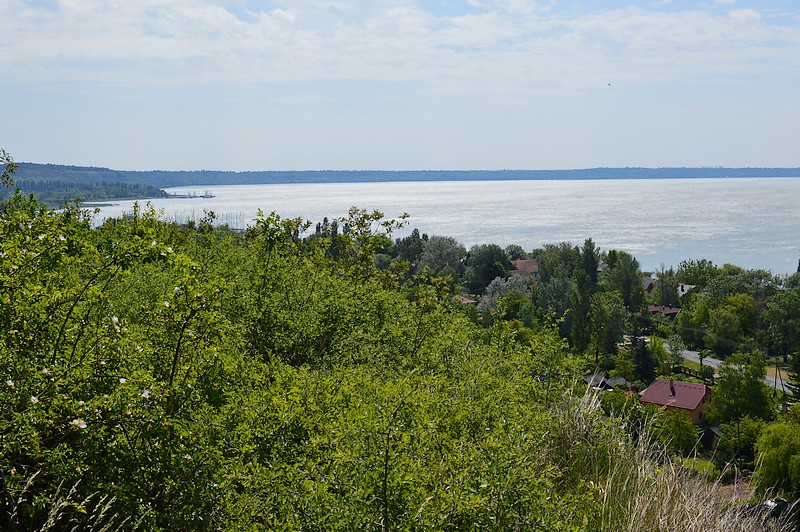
x=400 y=84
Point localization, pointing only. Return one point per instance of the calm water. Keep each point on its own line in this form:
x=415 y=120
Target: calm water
x=753 y=223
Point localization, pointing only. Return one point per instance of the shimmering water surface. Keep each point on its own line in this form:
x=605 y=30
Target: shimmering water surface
x=753 y=223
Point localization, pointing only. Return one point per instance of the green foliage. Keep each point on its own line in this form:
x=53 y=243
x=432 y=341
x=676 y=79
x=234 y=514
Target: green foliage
x=778 y=450
x=607 y=321
x=515 y=252
x=738 y=440
x=675 y=430
x=9 y=168
x=741 y=391
x=485 y=263
x=698 y=272
x=444 y=255
x=557 y=260
x=165 y=377
x=624 y=276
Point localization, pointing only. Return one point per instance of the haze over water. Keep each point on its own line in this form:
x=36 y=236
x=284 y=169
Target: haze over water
x=752 y=223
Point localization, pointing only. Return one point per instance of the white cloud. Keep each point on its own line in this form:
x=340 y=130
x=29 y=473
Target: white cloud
x=507 y=45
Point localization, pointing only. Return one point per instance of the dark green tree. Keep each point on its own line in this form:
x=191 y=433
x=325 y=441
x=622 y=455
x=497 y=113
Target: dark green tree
x=666 y=292
x=624 y=276
x=741 y=392
x=515 y=252
x=580 y=311
x=607 y=323
x=485 y=262
x=781 y=319
x=557 y=260
x=590 y=261
x=644 y=363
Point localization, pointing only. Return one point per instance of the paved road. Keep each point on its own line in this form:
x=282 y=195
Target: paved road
x=774 y=382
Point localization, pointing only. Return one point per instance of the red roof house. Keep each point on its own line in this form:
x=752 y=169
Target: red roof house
x=665 y=310
x=525 y=267
x=688 y=396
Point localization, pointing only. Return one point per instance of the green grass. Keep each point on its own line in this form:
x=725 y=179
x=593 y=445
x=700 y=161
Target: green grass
x=704 y=467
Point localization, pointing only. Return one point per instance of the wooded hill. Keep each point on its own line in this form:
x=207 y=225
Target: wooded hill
x=30 y=172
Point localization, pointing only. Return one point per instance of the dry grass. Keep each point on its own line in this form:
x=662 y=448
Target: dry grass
x=639 y=487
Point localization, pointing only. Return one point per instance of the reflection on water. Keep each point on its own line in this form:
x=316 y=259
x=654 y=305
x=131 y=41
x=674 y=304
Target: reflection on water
x=749 y=222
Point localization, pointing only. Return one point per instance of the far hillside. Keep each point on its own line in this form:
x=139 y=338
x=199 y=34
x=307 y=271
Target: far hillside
x=161 y=178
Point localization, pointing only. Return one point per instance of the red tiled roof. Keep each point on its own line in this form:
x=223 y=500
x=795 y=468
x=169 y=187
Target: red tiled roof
x=681 y=394
x=525 y=267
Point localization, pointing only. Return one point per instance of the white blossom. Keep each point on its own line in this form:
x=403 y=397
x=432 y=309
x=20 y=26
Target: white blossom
x=78 y=422
x=123 y=380
x=9 y=382
x=146 y=394
x=34 y=399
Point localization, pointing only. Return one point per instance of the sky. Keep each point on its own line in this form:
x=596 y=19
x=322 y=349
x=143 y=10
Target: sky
x=400 y=84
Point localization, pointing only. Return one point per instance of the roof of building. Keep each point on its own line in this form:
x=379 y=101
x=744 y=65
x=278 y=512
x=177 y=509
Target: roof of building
x=683 y=288
x=678 y=394
x=464 y=300
x=595 y=380
x=618 y=381
x=599 y=381
x=525 y=267
x=664 y=310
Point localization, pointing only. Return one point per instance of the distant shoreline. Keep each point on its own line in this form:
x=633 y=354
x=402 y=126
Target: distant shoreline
x=167 y=179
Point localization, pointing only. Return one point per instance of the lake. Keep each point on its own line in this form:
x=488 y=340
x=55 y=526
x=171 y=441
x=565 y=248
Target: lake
x=750 y=222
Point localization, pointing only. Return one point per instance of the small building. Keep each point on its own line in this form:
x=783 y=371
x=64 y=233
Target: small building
x=692 y=398
x=464 y=300
x=600 y=382
x=665 y=310
x=684 y=288
x=525 y=268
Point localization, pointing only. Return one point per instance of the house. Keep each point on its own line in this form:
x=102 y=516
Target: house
x=525 y=268
x=600 y=382
x=692 y=398
x=684 y=288
x=596 y=381
x=464 y=300
x=665 y=310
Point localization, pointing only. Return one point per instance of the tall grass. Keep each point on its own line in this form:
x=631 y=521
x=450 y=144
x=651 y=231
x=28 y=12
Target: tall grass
x=69 y=511
x=637 y=486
